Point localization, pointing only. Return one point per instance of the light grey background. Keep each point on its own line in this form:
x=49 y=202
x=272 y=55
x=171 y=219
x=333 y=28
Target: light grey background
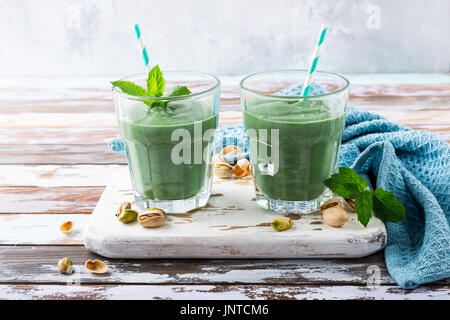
x=224 y=37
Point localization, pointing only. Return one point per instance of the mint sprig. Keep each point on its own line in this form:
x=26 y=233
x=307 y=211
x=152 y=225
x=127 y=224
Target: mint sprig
x=348 y=184
x=155 y=88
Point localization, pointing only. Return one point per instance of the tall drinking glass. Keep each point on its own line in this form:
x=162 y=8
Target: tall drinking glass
x=170 y=141
x=294 y=140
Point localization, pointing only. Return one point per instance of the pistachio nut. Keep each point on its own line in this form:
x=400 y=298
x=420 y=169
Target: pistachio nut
x=241 y=169
x=122 y=207
x=128 y=216
x=333 y=202
x=152 y=218
x=281 y=224
x=223 y=170
x=96 y=266
x=65 y=265
x=333 y=214
x=66 y=227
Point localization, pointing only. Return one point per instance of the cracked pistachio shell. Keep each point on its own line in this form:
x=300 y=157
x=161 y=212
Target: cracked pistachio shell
x=223 y=170
x=128 y=216
x=96 y=266
x=231 y=150
x=281 y=224
x=241 y=169
x=65 y=265
x=122 y=207
x=66 y=227
x=333 y=202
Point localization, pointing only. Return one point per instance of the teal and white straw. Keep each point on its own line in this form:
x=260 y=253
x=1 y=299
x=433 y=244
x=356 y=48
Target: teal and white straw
x=314 y=60
x=141 y=46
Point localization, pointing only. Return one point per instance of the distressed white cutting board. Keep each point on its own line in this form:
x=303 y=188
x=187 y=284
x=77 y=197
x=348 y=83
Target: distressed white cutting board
x=232 y=225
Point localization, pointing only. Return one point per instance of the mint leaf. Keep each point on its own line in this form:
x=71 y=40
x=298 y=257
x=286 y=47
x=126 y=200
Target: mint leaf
x=129 y=87
x=346 y=183
x=179 y=91
x=386 y=206
x=363 y=207
x=155 y=82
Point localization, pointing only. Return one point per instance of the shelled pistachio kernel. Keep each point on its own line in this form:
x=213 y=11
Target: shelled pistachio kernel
x=152 y=218
x=128 y=215
x=122 y=207
x=65 y=265
x=281 y=224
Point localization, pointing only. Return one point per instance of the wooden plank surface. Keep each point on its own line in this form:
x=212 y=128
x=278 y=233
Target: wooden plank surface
x=37 y=264
x=56 y=175
x=55 y=164
x=220 y=292
x=48 y=200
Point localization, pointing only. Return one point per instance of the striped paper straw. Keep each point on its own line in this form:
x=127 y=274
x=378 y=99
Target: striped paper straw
x=141 y=46
x=314 y=60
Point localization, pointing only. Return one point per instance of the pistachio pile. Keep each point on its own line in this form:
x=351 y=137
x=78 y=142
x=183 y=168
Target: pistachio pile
x=224 y=170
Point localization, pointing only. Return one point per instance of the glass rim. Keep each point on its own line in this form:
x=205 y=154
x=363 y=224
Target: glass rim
x=116 y=90
x=243 y=87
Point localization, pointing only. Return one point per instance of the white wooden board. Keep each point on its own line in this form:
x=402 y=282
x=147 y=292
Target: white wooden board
x=230 y=226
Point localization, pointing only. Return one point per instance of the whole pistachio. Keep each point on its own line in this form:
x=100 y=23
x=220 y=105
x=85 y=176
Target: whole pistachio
x=122 y=207
x=223 y=170
x=128 y=215
x=152 y=218
x=65 y=265
x=333 y=214
x=281 y=224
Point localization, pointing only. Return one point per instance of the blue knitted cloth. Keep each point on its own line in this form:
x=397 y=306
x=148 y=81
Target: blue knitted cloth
x=414 y=165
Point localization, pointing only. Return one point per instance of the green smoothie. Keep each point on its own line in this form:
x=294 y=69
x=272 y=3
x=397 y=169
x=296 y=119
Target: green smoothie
x=310 y=134
x=147 y=134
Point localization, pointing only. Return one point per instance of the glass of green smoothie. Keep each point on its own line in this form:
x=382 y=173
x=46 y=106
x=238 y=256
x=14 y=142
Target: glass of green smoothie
x=169 y=140
x=294 y=140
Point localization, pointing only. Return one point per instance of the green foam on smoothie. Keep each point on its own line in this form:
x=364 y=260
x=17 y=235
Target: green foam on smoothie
x=292 y=111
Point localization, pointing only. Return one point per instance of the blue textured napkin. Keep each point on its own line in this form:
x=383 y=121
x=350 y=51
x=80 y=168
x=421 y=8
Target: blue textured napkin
x=414 y=165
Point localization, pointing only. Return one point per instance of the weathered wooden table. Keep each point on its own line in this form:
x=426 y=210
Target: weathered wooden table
x=55 y=163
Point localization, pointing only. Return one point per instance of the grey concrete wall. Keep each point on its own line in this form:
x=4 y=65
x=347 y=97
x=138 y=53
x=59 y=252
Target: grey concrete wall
x=225 y=37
